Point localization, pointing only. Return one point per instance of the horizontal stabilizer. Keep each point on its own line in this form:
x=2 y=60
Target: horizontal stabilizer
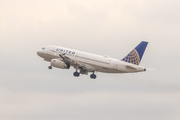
x=130 y=67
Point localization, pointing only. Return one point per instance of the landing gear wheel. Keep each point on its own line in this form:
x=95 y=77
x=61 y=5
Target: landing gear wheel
x=76 y=74
x=49 y=67
x=93 y=76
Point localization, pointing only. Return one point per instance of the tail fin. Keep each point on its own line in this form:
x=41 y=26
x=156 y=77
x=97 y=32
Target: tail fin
x=136 y=54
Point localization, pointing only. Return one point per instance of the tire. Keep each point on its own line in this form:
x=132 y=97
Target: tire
x=76 y=74
x=49 y=67
x=93 y=76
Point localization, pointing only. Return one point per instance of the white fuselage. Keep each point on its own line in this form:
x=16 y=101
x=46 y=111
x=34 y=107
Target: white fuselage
x=92 y=62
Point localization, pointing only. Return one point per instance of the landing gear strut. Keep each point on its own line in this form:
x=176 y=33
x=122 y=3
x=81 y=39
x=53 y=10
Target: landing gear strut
x=49 y=67
x=76 y=74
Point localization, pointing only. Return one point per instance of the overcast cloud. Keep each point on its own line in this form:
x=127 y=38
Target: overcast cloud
x=29 y=91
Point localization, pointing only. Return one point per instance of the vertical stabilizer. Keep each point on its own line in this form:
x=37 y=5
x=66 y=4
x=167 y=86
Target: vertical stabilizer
x=136 y=54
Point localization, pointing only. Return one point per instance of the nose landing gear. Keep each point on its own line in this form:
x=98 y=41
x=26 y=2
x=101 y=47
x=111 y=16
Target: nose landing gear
x=49 y=67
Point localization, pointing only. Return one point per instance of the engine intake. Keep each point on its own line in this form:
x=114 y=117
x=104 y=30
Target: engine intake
x=59 y=64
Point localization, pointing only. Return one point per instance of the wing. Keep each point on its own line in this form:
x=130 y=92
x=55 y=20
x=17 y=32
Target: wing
x=84 y=68
x=67 y=59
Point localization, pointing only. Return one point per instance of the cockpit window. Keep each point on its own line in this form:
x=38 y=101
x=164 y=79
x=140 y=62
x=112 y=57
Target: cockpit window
x=43 y=48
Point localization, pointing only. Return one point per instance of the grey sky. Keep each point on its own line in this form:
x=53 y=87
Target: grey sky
x=30 y=91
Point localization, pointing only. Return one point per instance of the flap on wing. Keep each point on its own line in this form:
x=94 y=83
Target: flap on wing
x=77 y=64
x=67 y=59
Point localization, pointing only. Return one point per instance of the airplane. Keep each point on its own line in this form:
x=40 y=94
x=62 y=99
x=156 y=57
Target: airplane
x=83 y=62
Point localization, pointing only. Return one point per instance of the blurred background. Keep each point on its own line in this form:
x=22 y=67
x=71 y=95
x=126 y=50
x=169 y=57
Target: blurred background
x=30 y=91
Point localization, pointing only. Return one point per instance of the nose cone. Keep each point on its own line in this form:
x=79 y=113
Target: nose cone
x=39 y=53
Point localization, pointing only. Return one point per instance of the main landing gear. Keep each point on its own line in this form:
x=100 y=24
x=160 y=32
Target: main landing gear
x=49 y=67
x=93 y=76
x=76 y=74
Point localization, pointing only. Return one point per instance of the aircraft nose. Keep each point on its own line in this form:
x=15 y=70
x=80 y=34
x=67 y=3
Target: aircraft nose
x=39 y=52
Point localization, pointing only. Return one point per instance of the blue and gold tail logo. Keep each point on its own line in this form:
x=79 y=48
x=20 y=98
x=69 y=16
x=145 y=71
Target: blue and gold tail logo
x=132 y=57
x=136 y=54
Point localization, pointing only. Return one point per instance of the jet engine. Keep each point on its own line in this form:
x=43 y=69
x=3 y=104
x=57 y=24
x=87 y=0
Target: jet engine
x=59 y=64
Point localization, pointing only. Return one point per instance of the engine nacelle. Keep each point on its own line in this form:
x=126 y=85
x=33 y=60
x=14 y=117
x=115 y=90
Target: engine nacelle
x=59 y=64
